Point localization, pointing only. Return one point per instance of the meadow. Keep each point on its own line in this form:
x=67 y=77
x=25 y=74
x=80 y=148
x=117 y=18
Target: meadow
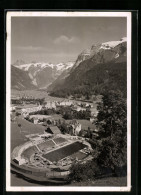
x=35 y=94
x=22 y=127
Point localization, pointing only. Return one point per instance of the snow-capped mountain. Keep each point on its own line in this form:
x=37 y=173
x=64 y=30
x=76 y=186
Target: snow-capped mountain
x=43 y=74
x=66 y=75
x=61 y=67
x=112 y=44
x=99 y=49
x=94 y=66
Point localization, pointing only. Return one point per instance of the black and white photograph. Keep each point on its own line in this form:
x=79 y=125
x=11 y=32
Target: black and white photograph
x=68 y=101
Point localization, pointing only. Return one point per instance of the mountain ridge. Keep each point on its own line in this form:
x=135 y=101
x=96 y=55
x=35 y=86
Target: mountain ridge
x=20 y=79
x=64 y=77
x=104 y=54
x=95 y=48
x=43 y=74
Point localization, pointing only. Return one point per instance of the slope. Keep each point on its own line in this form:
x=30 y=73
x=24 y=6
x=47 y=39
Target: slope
x=20 y=79
x=97 y=80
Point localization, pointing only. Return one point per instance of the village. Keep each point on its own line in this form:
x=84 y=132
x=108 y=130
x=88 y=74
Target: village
x=64 y=116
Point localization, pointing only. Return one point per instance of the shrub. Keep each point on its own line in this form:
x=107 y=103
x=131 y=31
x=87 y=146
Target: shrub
x=19 y=125
x=17 y=114
x=82 y=172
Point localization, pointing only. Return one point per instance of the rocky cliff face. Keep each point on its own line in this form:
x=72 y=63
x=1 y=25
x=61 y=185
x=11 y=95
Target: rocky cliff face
x=81 y=57
x=106 y=54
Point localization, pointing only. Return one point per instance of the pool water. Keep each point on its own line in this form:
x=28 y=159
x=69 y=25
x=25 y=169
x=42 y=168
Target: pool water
x=64 y=151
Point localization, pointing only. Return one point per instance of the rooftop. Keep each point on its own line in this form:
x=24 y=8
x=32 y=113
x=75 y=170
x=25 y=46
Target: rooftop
x=55 y=129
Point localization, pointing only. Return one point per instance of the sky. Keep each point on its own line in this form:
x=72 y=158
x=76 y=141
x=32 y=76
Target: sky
x=61 y=39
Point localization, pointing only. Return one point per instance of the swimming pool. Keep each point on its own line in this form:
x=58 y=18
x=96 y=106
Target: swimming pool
x=64 y=151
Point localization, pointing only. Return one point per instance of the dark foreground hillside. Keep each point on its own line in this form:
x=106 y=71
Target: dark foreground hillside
x=110 y=181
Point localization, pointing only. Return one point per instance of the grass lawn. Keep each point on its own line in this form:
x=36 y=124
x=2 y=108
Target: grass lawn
x=43 y=94
x=35 y=94
x=85 y=124
x=18 y=133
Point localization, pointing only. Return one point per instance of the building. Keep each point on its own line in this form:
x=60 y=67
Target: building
x=74 y=128
x=53 y=130
x=50 y=105
x=79 y=108
x=35 y=120
x=20 y=161
x=12 y=108
x=50 y=122
x=26 y=110
x=66 y=103
x=95 y=134
x=16 y=100
x=39 y=119
x=88 y=105
x=94 y=112
x=77 y=129
x=92 y=119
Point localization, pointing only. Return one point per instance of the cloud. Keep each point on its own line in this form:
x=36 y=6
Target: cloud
x=65 y=39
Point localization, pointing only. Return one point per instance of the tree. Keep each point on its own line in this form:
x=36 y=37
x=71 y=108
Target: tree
x=87 y=96
x=89 y=134
x=83 y=172
x=19 y=125
x=41 y=101
x=17 y=114
x=112 y=125
x=63 y=127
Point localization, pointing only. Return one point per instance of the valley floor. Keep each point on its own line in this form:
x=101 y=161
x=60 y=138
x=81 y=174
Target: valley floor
x=35 y=94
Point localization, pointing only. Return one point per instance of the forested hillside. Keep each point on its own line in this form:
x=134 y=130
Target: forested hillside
x=99 y=79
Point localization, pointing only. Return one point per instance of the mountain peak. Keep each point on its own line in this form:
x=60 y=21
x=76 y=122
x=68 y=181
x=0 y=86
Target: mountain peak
x=19 y=62
x=43 y=73
x=112 y=44
x=96 y=48
x=95 y=71
x=123 y=39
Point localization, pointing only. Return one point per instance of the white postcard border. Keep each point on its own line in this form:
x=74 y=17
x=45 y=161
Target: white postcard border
x=8 y=95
